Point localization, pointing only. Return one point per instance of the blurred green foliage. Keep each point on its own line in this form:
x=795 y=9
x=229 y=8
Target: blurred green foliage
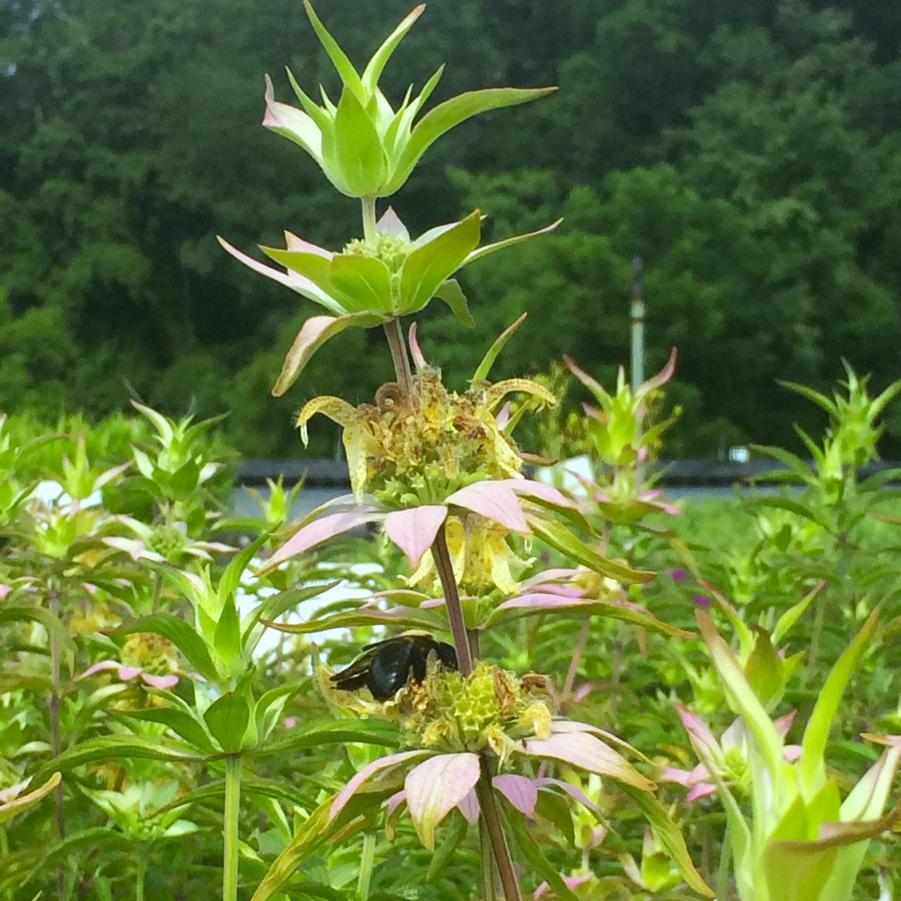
x=747 y=151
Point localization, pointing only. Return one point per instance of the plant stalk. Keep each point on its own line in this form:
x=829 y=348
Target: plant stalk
x=367 y=856
x=139 y=878
x=445 y=569
x=233 y=766
x=722 y=876
x=55 y=703
x=499 y=848
x=399 y=355
x=369 y=231
x=487 y=863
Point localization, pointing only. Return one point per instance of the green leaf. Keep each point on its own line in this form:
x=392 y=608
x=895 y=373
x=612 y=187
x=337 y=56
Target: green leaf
x=747 y=705
x=263 y=788
x=181 y=635
x=445 y=116
x=452 y=294
x=227 y=720
x=183 y=724
x=353 y=149
x=318 y=828
x=670 y=836
x=484 y=368
x=765 y=671
x=313 y=334
x=533 y=856
x=184 y=480
x=363 y=616
x=344 y=66
x=794 y=613
x=323 y=732
x=811 y=768
x=622 y=610
x=112 y=747
x=230 y=580
x=561 y=539
x=362 y=284
x=428 y=267
x=373 y=70
x=312 y=266
x=227 y=638
x=488 y=249
x=9 y=809
x=24 y=613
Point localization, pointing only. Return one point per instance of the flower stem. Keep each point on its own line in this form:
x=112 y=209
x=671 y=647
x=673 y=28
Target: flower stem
x=139 y=877
x=722 y=876
x=233 y=766
x=499 y=848
x=399 y=355
x=452 y=602
x=487 y=862
x=367 y=856
x=369 y=232
x=55 y=703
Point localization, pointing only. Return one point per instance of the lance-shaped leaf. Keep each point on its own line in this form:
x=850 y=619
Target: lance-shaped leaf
x=811 y=767
x=670 y=836
x=290 y=279
x=449 y=114
x=312 y=335
x=354 y=149
x=112 y=747
x=745 y=701
x=357 y=283
x=488 y=249
x=561 y=539
x=435 y=787
x=374 y=67
x=434 y=260
x=452 y=294
x=227 y=719
x=537 y=603
x=484 y=368
x=20 y=803
x=181 y=635
x=364 y=615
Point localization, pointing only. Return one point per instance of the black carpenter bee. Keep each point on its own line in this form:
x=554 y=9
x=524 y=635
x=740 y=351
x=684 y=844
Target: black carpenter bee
x=386 y=666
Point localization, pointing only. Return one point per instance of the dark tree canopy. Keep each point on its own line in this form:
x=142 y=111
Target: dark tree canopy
x=749 y=152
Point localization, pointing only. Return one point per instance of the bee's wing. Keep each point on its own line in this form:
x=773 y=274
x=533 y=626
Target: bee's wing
x=354 y=675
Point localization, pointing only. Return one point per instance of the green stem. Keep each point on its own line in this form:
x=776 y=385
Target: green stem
x=367 y=856
x=722 y=876
x=233 y=765
x=499 y=848
x=55 y=703
x=369 y=232
x=487 y=862
x=139 y=878
x=445 y=570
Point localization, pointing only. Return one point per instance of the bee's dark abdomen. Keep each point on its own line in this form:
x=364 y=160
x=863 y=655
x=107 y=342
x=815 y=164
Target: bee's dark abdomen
x=389 y=669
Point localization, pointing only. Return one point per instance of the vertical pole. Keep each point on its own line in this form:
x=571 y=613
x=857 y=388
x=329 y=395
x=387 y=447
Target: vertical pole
x=637 y=315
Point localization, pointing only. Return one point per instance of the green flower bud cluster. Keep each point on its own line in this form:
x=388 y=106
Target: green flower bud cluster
x=491 y=708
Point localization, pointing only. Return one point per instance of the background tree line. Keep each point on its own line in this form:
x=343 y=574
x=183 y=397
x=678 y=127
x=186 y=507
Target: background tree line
x=748 y=151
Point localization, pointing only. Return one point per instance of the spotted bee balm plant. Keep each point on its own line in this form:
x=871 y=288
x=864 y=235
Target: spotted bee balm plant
x=440 y=472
